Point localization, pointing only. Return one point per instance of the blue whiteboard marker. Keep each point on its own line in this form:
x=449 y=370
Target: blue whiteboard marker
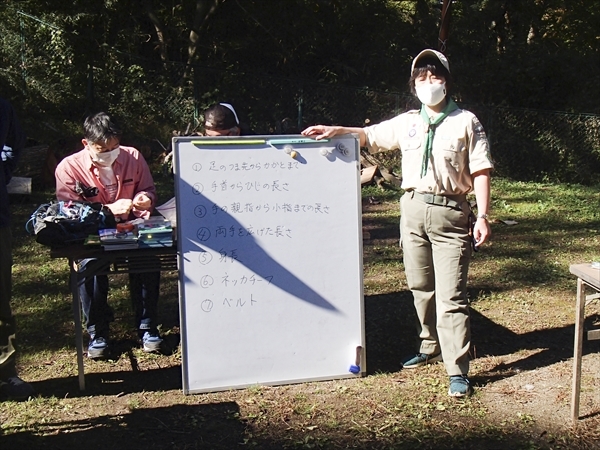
x=355 y=368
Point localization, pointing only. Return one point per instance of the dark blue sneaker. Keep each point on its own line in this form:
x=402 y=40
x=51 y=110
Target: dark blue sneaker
x=421 y=359
x=459 y=386
x=13 y=388
x=152 y=342
x=98 y=348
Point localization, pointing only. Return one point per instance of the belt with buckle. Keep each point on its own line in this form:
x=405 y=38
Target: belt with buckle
x=455 y=201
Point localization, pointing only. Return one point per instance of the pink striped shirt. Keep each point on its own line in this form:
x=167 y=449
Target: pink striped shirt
x=130 y=168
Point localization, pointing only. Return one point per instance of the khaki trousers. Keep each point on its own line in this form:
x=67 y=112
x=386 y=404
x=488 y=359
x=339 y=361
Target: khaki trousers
x=436 y=247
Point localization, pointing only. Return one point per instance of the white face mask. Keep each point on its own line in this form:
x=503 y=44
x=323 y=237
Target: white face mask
x=105 y=159
x=431 y=94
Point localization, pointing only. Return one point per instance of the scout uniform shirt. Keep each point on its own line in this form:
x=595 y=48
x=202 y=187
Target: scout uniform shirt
x=460 y=148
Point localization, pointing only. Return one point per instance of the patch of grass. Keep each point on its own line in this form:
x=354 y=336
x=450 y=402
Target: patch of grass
x=522 y=298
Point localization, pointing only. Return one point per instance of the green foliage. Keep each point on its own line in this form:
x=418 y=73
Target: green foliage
x=158 y=65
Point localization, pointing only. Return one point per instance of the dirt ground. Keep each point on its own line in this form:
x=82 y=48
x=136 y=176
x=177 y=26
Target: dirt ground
x=135 y=401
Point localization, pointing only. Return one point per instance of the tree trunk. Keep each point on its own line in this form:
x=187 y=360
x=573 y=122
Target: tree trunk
x=204 y=9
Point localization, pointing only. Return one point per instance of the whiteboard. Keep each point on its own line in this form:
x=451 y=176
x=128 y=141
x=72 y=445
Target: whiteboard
x=269 y=237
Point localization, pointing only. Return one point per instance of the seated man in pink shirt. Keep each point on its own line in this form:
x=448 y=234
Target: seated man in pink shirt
x=119 y=178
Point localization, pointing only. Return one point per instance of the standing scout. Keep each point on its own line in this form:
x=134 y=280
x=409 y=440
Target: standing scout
x=445 y=155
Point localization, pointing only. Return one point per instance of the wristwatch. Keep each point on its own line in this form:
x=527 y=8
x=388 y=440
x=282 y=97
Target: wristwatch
x=482 y=216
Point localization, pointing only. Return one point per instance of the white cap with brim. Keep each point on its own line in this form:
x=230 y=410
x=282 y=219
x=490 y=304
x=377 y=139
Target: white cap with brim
x=433 y=53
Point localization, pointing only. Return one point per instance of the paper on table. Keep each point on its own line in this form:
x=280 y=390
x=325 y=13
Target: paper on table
x=169 y=211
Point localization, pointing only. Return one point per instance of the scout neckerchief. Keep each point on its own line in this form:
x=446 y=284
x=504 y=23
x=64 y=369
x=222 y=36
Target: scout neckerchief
x=431 y=126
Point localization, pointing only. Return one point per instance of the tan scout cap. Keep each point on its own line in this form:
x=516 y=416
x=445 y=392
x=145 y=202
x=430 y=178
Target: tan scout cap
x=435 y=54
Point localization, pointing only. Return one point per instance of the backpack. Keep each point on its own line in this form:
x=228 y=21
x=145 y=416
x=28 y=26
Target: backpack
x=62 y=223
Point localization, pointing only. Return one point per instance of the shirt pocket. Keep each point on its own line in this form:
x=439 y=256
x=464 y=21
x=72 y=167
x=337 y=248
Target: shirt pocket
x=453 y=151
x=411 y=145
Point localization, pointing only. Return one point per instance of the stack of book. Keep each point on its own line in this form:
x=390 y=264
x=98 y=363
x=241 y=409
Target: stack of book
x=113 y=239
x=155 y=232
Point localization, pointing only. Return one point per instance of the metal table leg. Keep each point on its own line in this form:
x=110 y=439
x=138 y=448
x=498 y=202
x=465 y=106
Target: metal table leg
x=577 y=353
x=74 y=281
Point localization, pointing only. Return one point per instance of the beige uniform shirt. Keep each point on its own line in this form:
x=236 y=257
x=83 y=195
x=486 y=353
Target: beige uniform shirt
x=460 y=148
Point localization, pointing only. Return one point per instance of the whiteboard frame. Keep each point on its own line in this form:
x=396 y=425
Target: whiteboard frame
x=248 y=143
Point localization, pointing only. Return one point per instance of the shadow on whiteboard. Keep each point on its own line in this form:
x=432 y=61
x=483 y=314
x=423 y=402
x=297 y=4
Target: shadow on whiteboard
x=261 y=263
x=278 y=275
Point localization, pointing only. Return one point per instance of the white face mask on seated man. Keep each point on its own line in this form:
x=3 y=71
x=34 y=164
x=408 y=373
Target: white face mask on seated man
x=105 y=159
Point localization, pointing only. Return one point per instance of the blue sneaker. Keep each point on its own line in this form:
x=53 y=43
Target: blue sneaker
x=459 y=386
x=152 y=342
x=98 y=347
x=421 y=359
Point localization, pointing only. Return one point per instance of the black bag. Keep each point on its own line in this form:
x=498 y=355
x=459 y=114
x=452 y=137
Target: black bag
x=61 y=223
